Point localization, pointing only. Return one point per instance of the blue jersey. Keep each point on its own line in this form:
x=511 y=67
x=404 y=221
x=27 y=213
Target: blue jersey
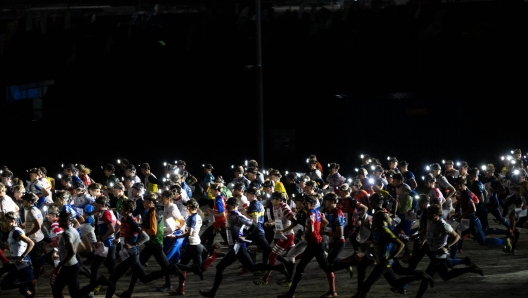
x=256 y=211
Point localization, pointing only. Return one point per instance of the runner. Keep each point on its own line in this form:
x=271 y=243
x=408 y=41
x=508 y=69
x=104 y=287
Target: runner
x=236 y=224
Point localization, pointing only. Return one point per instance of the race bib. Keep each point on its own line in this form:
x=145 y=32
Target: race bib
x=278 y=225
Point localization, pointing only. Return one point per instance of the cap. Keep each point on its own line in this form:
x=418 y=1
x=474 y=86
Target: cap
x=276 y=173
x=119 y=185
x=252 y=190
x=208 y=166
x=344 y=187
x=181 y=163
x=312 y=161
x=102 y=200
x=232 y=202
x=436 y=166
x=88 y=209
x=78 y=185
x=310 y=199
x=138 y=186
x=449 y=162
x=192 y=204
x=145 y=165
x=239 y=186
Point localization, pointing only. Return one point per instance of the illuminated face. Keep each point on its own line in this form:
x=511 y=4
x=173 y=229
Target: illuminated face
x=275 y=202
x=268 y=189
x=33 y=176
x=448 y=167
x=116 y=192
x=435 y=173
x=250 y=196
x=130 y=173
x=392 y=165
x=517 y=156
x=165 y=200
x=95 y=192
x=333 y=171
x=144 y=171
x=521 y=179
x=430 y=184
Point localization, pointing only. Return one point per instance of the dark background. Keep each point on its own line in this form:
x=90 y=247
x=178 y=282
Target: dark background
x=446 y=83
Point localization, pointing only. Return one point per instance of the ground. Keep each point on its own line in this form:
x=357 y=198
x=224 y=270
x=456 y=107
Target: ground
x=505 y=275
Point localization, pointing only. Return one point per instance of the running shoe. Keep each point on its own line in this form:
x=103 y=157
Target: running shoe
x=328 y=295
x=476 y=269
x=350 y=271
x=260 y=282
x=284 y=283
x=206 y=293
x=165 y=288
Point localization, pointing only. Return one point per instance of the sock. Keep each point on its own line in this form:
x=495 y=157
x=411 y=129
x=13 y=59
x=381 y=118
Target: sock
x=181 y=283
x=208 y=261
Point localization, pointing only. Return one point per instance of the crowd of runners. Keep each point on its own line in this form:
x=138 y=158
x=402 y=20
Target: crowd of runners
x=55 y=229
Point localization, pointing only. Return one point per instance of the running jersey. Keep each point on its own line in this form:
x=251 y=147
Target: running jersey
x=219 y=207
x=281 y=214
x=383 y=247
x=31 y=214
x=336 y=220
x=313 y=219
x=82 y=200
x=362 y=197
x=194 y=222
x=349 y=206
x=17 y=247
x=466 y=197
x=256 y=212
x=129 y=230
x=236 y=223
x=106 y=217
x=436 y=196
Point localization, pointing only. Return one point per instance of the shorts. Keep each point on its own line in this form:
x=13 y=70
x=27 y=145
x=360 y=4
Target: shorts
x=287 y=243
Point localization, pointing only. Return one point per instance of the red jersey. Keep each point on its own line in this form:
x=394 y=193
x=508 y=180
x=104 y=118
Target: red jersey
x=362 y=197
x=313 y=219
x=349 y=206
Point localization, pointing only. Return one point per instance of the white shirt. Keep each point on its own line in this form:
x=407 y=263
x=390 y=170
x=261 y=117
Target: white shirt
x=437 y=233
x=30 y=215
x=6 y=205
x=73 y=237
x=171 y=211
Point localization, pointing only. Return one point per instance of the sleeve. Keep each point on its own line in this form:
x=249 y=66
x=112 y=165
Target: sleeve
x=219 y=203
x=191 y=222
x=447 y=227
x=175 y=212
x=340 y=219
x=134 y=226
x=244 y=220
x=244 y=201
x=107 y=217
x=17 y=234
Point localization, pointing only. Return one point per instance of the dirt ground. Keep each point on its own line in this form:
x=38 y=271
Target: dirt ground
x=505 y=275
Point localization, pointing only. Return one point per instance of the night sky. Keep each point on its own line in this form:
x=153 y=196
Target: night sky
x=448 y=84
